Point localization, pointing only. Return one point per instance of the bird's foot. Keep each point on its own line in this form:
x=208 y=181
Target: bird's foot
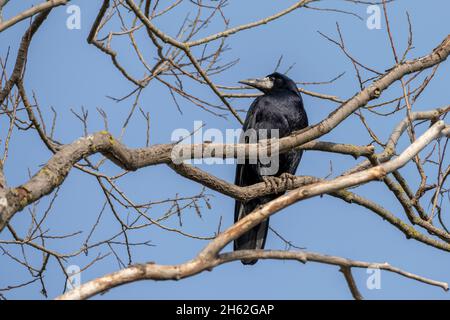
x=272 y=183
x=288 y=180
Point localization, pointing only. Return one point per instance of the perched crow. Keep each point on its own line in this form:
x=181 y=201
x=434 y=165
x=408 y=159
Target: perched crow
x=281 y=107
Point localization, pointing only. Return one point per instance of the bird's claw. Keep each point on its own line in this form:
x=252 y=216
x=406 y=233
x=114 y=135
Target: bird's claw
x=285 y=180
x=271 y=182
x=288 y=180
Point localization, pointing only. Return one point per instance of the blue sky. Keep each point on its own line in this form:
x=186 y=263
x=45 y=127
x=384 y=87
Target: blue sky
x=66 y=73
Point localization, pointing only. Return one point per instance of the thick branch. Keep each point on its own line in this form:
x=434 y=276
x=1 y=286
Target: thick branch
x=319 y=188
x=153 y=271
x=31 y=12
x=55 y=171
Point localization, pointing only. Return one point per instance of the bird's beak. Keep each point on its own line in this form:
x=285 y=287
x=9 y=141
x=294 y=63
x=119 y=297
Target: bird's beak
x=263 y=84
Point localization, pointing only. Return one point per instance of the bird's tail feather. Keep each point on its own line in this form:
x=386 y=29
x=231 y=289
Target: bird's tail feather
x=256 y=237
x=253 y=239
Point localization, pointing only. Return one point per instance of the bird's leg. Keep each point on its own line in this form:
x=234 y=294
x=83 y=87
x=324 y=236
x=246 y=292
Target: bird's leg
x=288 y=180
x=272 y=183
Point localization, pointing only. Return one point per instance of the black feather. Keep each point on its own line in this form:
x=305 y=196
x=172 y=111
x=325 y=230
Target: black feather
x=280 y=108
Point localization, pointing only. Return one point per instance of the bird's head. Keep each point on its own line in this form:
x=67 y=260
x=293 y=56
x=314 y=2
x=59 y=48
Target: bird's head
x=272 y=83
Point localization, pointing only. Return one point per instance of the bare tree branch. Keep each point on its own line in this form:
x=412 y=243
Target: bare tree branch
x=153 y=271
x=31 y=12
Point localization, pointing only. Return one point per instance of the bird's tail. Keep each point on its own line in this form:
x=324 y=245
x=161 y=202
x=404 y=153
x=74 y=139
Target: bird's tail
x=256 y=237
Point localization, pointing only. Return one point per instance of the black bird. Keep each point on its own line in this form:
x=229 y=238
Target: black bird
x=281 y=107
